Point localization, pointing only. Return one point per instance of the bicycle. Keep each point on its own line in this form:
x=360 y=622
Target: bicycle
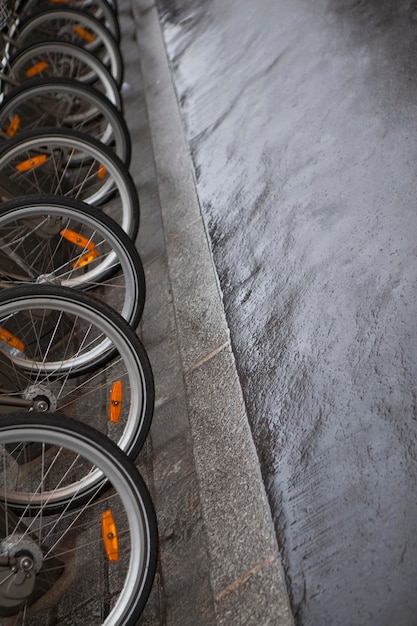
x=56 y=542
x=60 y=241
x=70 y=499
x=64 y=103
x=70 y=25
x=63 y=350
x=53 y=59
x=71 y=164
x=100 y=9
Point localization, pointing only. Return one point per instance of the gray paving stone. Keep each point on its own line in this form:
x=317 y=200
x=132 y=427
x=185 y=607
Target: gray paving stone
x=218 y=562
x=170 y=421
x=158 y=319
x=175 y=178
x=199 y=313
x=150 y=241
x=267 y=607
x=228 y=470
x=167 y=369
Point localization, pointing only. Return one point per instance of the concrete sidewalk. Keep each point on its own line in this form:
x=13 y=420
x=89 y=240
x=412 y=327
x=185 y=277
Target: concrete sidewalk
x=219 y=561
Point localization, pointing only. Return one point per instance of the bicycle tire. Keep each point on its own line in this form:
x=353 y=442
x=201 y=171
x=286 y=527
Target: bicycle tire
x=69 y=163
x=72 y=540
x=64 y=350
x=76 y=27
x=65 y=103
x=114 y=6
x=37 y=246
x=51 y=59
x=100 y=9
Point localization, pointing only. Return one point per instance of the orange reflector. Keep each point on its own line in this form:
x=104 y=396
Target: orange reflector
x=85 y=259
x=109 y=533
x=116 y=401
x=36 y=69
x=11 y=340
x=101 y=172
x=13 y=127
x=30 y=164
x=78 y=239
x=84 y=34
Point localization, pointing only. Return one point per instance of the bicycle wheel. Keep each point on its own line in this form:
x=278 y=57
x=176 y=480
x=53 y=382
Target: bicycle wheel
x=114 y=7
x=73 y=26
x=59 y=59
x=59 y=241
x=69 y=163
x=64 y=103
x=63 y=350
x=94 y=564
x=100 y=9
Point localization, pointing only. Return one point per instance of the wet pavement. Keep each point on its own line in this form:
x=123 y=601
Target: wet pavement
x=300 y=119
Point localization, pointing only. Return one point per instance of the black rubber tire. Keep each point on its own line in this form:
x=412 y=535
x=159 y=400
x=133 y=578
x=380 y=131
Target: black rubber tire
x=67 y=104
x=60 y=149
x=40 y=27
x=129 y=491
x=117 y=275
x=51 y=59
x=100 y=9
x=61 y=363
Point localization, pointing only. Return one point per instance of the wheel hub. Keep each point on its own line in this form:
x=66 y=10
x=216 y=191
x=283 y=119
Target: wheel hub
x=43 y=398
x=21 y=560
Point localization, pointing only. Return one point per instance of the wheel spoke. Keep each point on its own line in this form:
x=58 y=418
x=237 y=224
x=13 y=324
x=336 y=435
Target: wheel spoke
x=60 y=529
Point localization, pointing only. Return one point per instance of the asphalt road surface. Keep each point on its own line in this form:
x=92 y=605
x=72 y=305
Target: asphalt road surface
x=302 y=118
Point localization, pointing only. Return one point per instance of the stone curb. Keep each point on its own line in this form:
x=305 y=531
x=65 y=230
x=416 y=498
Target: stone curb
x=201 y=462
